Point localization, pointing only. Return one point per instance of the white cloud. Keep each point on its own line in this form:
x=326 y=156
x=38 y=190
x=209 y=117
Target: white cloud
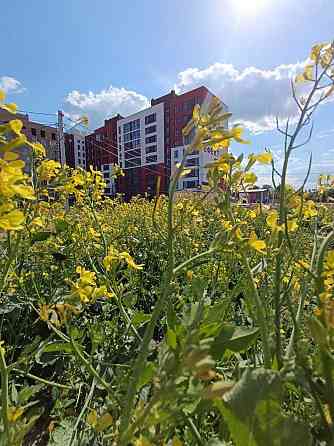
x=104 y=104
x=255 y=96
x=325 y=133
x=11 y=85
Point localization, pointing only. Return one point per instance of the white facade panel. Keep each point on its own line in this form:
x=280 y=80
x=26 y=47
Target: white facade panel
x=195 y=161
x=141 y=138
x=79 y=151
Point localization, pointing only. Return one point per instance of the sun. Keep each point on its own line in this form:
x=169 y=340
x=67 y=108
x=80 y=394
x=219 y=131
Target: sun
x=249 y=6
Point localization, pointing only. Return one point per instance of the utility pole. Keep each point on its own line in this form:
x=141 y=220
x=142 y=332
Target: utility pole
x=61 y=141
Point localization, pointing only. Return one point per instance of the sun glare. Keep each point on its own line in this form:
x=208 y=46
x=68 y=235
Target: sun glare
x=249 y=6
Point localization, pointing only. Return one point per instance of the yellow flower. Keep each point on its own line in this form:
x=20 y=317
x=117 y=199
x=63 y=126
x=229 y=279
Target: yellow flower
x=292 y=225
x=12 y=221
x=310 y=210
x=92 y=418
x=251 y=214
x=11 y=107
x=250 y=178
x=37 y=221
x=48 y=170
x=271 y=221
x=129 y=260
x=14 y=413
x=256 y=244
x=262 y=158
x=236 y=133
x=86 y=277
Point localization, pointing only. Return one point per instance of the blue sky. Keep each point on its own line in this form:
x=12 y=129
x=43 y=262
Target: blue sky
x=106 y=56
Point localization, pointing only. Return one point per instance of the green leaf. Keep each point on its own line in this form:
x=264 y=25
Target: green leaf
x=45 y=354
x=140 y=318
x=8 y=307
x=171 y=339
x=252 y=411
x=61 y=225
x=97 y=336
x=40 y=236
x=62 y=434
x=146 y=375
x=318 y=331
x=234 y=338
x=27 y=392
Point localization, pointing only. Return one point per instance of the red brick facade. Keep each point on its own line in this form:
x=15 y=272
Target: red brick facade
x=101 y=146
x=178 y=111
x=69 y=150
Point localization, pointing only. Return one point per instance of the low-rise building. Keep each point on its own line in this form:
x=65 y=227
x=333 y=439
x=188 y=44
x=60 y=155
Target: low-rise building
x=35 y=132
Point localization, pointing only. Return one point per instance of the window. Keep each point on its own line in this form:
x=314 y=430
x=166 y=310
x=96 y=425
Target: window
x=132 y=163
x=107 y=190
x=151 y=159
x=151 y=139
x=190 y=184
x=176 y=154
x=132 y=125
x=33 y=132
x=151 y=129
x=150 y=118
x=132 y=154
x=192 y=173
x=105 y=174
x=192 y=162
x=179 y=108
x=151 y=149
x=132 y=135
x=105 y=167
x=42 y=133
x=132 y=144
x=188 y=139
x=188 y=106
x=177 y=132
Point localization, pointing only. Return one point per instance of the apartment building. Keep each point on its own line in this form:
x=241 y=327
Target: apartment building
x=144 y=144
x=141 y=150
x=197 y=163
x=35 y=132
x=102 y=151
x=75 y=150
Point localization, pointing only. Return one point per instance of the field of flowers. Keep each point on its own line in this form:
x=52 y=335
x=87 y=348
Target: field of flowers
x=177 y=321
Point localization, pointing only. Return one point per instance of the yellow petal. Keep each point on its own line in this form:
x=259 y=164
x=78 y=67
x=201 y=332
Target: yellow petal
x=10 y=156
x=256 y=244
x=264 y=158
x=16 y=126
x=11 y=107
x=92 y=418
x=250 y=178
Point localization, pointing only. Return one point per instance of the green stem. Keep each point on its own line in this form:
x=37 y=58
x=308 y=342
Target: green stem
x=194 y=431
x=140 y=361
x=82 y=412
x=4 y=393
x=88 y=366
x=260 y=314
x=193 y=259
x=42 y=380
